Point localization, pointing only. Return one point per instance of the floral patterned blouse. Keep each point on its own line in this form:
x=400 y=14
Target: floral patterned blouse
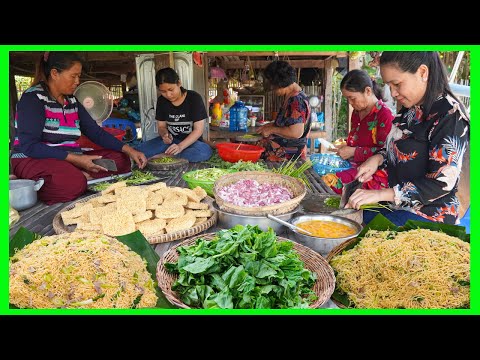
x=369 y=134
x=296 y=111
x=424 y=158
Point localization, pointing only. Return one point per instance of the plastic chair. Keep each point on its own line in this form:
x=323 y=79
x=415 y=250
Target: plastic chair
x=122 y=124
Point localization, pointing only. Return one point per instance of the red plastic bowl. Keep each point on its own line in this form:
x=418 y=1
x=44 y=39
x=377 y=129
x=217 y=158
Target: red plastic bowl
x=85 y=142
x=233 y=152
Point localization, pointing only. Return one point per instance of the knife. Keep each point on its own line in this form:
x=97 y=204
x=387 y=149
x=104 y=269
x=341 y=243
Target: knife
x=348 y=190
x=108 y=164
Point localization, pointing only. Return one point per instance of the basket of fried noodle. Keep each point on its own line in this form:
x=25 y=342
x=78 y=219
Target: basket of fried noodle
x=411 y=269
x=80 y=270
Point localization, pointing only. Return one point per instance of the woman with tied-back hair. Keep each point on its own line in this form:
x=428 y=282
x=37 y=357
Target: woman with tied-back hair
x=48 y=122
x=286 y=137
x=424 y=150
x=370 y=124
x=181 y=118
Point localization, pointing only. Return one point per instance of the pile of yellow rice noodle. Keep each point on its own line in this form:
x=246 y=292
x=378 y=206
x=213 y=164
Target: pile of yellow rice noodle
x=80 y=270
x=416 y=269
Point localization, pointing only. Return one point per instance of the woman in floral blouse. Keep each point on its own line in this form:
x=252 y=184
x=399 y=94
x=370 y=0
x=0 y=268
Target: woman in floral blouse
x=286 y=137
x=371 y=122
x=424 y=149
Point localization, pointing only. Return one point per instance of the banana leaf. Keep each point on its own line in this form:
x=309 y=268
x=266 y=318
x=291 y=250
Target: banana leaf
x=381 y=223
x=135 y=241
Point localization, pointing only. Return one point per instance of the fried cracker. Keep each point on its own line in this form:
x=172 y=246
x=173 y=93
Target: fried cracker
x=182 y=223
x=113 y=188
x=118 y=223
x=169 y=211
x=150 y=227
x=196 y=205
x=143 y=216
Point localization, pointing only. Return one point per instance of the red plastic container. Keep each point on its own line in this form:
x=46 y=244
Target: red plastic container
x=85 y=142
x=233 y=152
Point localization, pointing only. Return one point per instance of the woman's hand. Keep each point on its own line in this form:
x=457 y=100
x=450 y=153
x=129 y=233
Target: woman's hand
x=137 y=156
x=174 y=149
x=266 y=130
x=366 y=170
x=85 y=162
x=167 y=138
x=361 y=197
x=345 y=152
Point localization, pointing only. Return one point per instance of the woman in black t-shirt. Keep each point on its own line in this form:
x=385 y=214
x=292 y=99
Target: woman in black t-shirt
x=425 y=147
x=181 y=117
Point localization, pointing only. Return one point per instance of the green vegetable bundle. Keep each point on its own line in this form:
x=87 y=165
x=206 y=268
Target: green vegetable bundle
x=290 y=168
x=242 y=268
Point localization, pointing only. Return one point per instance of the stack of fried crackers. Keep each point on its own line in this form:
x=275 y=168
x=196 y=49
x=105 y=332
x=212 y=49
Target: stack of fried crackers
x=154 y=210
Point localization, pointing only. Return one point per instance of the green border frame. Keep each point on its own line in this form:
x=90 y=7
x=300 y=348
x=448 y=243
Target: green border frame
x=4 y=105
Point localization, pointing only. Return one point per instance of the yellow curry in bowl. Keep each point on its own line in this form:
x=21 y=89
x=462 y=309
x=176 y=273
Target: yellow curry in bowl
x=326 y=229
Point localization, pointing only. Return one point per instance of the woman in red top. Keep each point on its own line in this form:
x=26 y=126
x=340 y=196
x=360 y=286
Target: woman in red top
x=370 y=124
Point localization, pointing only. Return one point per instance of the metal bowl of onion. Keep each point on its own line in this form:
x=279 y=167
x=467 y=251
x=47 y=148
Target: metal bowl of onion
x=328 y=227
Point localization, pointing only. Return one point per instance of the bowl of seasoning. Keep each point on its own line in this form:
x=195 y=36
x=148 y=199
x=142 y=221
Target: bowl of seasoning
x=328 y=230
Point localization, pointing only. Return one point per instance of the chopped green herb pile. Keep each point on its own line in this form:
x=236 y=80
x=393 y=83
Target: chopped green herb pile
x=163 y=160
x=242 y=268
x=333 y=202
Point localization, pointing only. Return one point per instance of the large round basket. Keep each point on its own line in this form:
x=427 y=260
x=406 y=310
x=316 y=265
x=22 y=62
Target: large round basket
x=296 y=186
x=323 y=287
x=59 y=227
x=336 y=251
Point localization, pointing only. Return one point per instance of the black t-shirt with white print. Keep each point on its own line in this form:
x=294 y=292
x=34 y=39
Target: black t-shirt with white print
x=180 y=118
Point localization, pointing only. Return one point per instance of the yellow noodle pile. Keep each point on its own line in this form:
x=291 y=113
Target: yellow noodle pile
x=79 y=270
x=416 y=269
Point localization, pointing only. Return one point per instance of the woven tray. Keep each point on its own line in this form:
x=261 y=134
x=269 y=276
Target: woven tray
x=179 y=162
x=59 y=227
x=293 y=184
x=323 y=287
x=335 y=251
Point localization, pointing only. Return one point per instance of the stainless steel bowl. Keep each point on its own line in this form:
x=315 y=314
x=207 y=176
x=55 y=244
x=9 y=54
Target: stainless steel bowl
x=323 y=245
x=228 y=220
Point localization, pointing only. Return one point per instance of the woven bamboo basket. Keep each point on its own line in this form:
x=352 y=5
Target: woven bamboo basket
x=323 y=287
x=59 y=227
x=296 y=186
x=336 y=251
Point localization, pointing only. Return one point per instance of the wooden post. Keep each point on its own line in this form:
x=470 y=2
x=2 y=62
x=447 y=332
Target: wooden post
x=352 y=65
x=328 y=98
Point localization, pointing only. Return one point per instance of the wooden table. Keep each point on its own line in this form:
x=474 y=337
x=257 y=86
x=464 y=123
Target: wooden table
x=220 y=133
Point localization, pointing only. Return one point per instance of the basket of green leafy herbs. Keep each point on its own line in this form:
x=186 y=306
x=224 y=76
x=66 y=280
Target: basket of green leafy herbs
x=244 y=268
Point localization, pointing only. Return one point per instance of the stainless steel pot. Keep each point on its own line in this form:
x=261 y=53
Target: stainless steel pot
x=228 y=220
x=23 y=193
x=323 y=245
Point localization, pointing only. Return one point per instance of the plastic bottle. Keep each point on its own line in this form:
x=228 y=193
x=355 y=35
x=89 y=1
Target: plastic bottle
x=234 y=117
x=242 y=118
x=216 y=114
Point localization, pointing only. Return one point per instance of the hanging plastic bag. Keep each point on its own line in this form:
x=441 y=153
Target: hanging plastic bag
x=13 y=216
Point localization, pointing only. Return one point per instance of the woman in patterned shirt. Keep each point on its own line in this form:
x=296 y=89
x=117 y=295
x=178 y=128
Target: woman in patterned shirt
x=286 y=137
x=425 y=148
x=370 y=124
